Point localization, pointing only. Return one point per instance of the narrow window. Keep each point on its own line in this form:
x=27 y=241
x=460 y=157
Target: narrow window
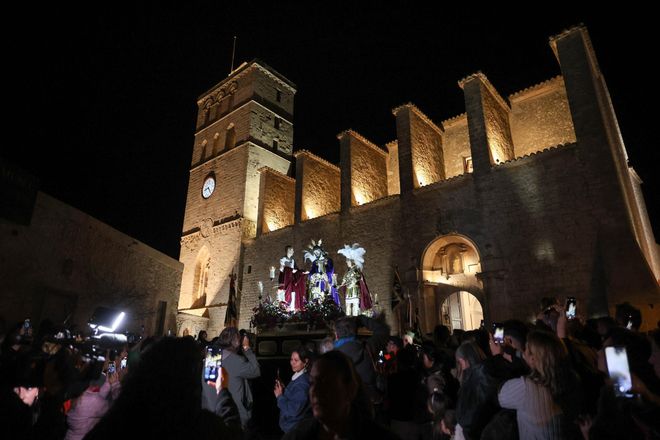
x=278 y=96
x=467 y=164
x=277 y=123
x=275 y=144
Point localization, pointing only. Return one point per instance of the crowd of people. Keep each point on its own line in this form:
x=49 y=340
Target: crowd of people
x=544 y=380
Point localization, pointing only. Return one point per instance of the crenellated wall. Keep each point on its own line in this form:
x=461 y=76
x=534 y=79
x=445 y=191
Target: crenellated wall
x=540 y=117
x=456 y=145
x=418 y=134
x=537 y=190
x=364 y=170
x=319 y=184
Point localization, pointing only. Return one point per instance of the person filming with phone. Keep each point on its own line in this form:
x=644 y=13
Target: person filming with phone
x=240 y=366
x=293 y=399
x=547 y=401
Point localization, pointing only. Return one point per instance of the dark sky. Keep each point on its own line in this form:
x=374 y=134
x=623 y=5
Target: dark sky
x=106 y=97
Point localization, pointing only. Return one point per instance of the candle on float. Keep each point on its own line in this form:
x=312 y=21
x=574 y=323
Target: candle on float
x=272 y=272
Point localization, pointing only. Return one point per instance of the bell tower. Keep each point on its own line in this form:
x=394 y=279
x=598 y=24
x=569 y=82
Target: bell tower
x=245 y=122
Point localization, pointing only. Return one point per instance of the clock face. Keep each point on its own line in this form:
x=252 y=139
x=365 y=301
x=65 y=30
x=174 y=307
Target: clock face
x=208 y=187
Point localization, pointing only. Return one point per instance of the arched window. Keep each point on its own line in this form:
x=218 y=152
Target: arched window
x=201 y=278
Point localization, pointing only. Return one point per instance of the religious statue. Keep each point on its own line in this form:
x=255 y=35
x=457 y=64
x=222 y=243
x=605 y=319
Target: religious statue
x=291 y=282
x=358 y=299
x=321 y=280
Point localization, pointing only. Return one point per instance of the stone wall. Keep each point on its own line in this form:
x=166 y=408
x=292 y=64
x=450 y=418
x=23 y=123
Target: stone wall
x=270 y=129
x=266 y=85
x=456 y=145
x=258 y=158
x=276 y=201
x=540 y=117
x=229 y=195
x=496 y=116
x=68 y=263
x=393 y=184
x=546 y=220
x=425 y=143
x=212 y=140
x=320 y=186
x=249 y=81
x=220 y=246
x=364 y=165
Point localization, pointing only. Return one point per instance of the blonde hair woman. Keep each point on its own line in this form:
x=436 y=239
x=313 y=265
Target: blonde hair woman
x=541 y=398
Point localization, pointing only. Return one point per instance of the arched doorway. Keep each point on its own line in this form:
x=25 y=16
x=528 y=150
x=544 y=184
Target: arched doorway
x=452 y=293
x=461 y=310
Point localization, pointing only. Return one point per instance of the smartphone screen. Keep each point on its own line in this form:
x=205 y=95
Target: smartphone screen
x=617 y=365
x=27 y=324
x=571 y=307
x=498 y=333
x=111 y=368
x=212 y=365
x=122 y=364
x=381 y=357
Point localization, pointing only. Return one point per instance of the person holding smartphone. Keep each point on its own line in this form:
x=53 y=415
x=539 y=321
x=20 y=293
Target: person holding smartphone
x=547 y=400
x=240 y=364
x=293 y=399
x=94 y=402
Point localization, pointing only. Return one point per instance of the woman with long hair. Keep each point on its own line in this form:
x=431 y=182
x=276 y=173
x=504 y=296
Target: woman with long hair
x=544 y=400
x=293 y=400
x=477 y=396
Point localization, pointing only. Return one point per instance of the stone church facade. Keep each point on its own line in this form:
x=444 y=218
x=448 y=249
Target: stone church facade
x=516 y=199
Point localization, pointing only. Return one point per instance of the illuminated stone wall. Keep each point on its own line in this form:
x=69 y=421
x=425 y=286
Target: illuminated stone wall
x=320 y=186
x=66 y=262
x=212 y=140
x=229 y=195
x=496 y=115
x=249 y=95
x=555 y=223
x=219 y=244
x=276 y=201
x=393 y=184
x=258 y=158
x=425 y=144
x=540 y=117
x=456 y=145
x=366 y=166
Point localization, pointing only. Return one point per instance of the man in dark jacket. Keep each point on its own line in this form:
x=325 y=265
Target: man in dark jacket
x=362 y=354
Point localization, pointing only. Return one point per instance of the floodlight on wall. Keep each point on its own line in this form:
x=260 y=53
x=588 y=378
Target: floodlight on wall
x=106 y=320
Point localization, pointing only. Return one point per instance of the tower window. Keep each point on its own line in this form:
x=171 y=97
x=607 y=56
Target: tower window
x=278 y=96
x=275 y=144
x=277 y=123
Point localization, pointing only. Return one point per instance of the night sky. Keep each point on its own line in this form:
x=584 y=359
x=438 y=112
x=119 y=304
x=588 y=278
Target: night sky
x=106 y=97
